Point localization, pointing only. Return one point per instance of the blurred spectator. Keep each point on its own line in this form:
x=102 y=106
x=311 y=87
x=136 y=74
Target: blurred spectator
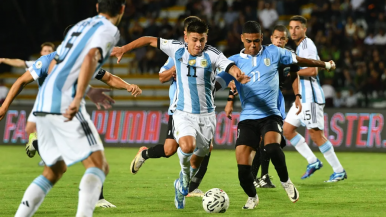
x=250 y=14
x=136 y=31
x=369 y=40
x=339 y=102
x=3 y=91
x=350 y=27
x=207 y=5
x=380 y=23
x=268 y=16
x=329 y=93
x=152 y=28
x=166 y=30
x=230 y=16
x=361 y=33
x=380 y=38
x=351 y=100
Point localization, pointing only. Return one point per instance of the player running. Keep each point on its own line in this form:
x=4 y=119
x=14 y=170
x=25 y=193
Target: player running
x=260 y=114
x=194 y=119
x=313 y=104
x=62 y=140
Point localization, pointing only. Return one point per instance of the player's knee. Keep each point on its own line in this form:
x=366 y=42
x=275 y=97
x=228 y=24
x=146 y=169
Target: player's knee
x=106 y=168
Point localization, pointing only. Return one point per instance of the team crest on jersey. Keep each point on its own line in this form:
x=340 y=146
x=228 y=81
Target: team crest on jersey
x=204 y=63
x=164 y=41
x=192 y=62
x=39 y=64
x=267 y=61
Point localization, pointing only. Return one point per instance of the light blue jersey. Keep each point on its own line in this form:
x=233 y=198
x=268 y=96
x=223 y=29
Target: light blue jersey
x=39 y=70
x=260 y=97
x=173 y=86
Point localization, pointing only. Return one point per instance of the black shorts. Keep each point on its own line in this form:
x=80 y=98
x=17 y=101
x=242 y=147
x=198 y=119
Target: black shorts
x=249 y=131
x=169 y=133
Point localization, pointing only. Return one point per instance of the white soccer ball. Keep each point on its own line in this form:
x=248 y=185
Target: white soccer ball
x=215 y=201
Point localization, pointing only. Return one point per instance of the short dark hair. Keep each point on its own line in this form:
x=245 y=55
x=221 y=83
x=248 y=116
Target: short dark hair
x=251 y=27
x=190 y=19
x=110 y=7
x=280 y=28
x=48 y=44
x=197 y=26
x=299 y=18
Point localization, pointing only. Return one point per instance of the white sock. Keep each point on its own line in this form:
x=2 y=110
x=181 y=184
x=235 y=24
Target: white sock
x=193 y=172
x=33 y=196
x=184 y=161
x=328 y=151
x=89 y=191
x=301 y=146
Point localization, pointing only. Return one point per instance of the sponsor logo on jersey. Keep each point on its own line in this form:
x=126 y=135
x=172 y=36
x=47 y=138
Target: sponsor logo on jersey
x=192 y=62
x=39 y=64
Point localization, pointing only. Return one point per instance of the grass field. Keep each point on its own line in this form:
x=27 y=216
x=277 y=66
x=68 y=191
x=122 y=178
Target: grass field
x=151 y=192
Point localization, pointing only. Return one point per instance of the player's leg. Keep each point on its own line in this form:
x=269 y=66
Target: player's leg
x=271 y=130
x=245 y=144
x=292 y=122
x=102 y=202
x=265 y=180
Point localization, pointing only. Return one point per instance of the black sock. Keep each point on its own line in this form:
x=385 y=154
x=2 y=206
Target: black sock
x=246 y=180
x=101 y=195
x=264 y=163
x=196 y=180
x=35 y=145
x=277 y=156
x=256 y=164
x=154 y=152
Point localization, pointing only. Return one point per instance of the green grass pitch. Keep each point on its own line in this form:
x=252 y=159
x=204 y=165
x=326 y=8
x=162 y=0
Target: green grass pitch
x=150 y=192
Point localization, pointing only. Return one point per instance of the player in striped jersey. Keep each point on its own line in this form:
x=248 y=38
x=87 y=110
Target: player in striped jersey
x=312 y=115
x=47 y=48
x=63 y=140
x=193 y=108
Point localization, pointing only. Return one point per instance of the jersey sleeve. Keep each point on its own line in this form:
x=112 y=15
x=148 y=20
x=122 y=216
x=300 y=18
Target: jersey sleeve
x=169 y=64
x=308 y=50
x=169 y=47
x=223 y=79
x=40 y=67
x=104 y=41
x=223 y=63
x=29 y=63
x=286 y=57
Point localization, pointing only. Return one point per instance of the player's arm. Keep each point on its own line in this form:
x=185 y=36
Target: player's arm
x=117 y=82
x=16 y=88
x=140 y=42
x=167 y=74
x=309 y=71
x=231 y=98
x=295 y=86
x=13 y=62
x=87 y=70
x=330 y=65
x=230 y=67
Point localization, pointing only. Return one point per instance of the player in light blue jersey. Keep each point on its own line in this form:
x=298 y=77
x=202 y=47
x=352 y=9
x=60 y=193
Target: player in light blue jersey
x=312 y=115
x=63 y=140
x=193 y=108
x=260 y=115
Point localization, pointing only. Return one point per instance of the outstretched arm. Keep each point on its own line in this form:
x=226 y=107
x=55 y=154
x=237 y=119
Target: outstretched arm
x=118 y=83
x=315 y=63
x=295 y=87
x=13 y=62
x=140 y=42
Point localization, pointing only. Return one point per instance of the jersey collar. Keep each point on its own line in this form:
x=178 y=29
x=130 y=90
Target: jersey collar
x=246 y=56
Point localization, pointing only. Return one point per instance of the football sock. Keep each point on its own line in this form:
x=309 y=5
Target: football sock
x=277 y=156
x=34 y=196
x=101 y=196
x=301 y=146
x=328 y=151
x=256 y=164
x=264 y=163
x=246 y=180
x=196 y=180
x=184 y=161
x=154 y=152
x=89 y=190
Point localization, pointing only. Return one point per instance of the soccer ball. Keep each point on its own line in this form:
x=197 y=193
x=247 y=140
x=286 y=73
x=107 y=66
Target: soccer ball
x=215 y=201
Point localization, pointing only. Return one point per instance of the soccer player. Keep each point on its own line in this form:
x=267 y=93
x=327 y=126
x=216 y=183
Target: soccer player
x=313 y=103
x=47 y=48
x=194 y=119
x=63 y=139
x=260 y=115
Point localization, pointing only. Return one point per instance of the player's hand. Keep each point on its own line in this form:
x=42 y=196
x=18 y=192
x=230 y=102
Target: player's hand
x=1 y=60
x=134 y=89
x=298 y=105
x=232 y=86
x=72 y=110
x=333 y=66
x=242 y=78
x=99 y=98
x=229 y=109
x=3 y=112
x=118 y=53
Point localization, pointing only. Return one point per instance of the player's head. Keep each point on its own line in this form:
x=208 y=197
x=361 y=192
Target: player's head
x=188 y=20
x=196 y=36
x=279 y=36
x=47 y=48
x=298 y=27
x=112 y=8
x=252 y=37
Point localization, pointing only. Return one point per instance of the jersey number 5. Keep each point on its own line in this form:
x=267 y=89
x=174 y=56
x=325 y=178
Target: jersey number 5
x=68 y=46
x=194 y=71
x=254 y=76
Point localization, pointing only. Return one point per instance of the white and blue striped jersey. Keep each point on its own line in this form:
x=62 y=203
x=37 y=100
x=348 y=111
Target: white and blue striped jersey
x=260 y=97
x=173 y=86
x=59 y=88
x=309 y=87
x=196 y=76
x=39 y=70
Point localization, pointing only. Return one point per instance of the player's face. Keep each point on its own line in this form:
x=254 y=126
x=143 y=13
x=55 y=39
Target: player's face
x=279 y=39
x=46 y=50
x=297 y=30
x=196 y=42
x=252 y=42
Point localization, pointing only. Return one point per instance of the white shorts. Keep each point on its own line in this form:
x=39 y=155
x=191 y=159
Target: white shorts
x=311 y=116
x=71 y=141
x=31 y=118
x=201 y=126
